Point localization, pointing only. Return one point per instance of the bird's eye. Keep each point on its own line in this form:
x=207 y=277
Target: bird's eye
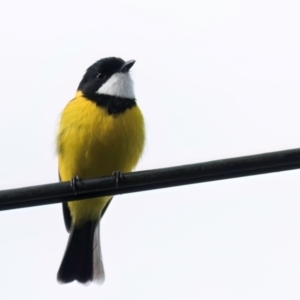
x=101 y=75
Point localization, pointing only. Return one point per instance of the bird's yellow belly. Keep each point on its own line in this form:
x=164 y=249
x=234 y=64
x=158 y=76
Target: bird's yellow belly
x=92 y=144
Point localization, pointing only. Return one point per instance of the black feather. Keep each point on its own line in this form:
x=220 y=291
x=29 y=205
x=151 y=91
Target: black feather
x=79 y=261
x=113 y=105
x=105 y=208
x=67 y=216
x=66 y=212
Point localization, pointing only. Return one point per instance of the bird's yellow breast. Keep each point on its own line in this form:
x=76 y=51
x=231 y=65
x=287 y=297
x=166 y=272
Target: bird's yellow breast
x=91 y=143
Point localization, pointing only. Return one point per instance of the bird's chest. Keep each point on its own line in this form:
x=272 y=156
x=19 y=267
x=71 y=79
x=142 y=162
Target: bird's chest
x=96 y=143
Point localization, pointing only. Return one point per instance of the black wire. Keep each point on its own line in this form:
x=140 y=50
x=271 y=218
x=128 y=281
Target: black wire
x=152 y=179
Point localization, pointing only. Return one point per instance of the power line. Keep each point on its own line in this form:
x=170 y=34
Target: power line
x=151 y=179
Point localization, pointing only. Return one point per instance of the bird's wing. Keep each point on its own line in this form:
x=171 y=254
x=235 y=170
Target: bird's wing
x=66 y=213
x=105 y=208
x=67 y=216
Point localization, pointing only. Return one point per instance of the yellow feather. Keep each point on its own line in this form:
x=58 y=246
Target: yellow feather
x=91 y=143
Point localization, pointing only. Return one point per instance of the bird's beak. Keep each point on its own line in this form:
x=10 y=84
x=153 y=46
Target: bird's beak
x=127 y=66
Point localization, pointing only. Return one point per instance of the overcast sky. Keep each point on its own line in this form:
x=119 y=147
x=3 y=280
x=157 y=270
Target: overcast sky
x=214 y=79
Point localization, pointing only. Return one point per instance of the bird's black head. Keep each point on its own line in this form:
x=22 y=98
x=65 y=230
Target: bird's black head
x=108 y=76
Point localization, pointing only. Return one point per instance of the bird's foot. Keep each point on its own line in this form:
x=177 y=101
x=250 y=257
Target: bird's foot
x=73 y=183
x=118 y=177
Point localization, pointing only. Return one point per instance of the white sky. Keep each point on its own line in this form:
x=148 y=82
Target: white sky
x=215 y=79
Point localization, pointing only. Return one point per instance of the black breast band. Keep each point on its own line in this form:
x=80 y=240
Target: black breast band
x=114 y=105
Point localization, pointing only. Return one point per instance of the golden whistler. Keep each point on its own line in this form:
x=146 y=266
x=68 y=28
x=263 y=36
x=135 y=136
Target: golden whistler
x=101 y=131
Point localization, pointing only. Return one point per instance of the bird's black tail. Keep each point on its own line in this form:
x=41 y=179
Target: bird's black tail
x=82 y=260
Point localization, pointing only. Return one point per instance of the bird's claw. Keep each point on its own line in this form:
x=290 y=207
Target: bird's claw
x=118 y=177
x=73 y=183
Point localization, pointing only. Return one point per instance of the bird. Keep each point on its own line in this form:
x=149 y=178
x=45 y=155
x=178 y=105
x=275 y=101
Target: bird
x=101 y=132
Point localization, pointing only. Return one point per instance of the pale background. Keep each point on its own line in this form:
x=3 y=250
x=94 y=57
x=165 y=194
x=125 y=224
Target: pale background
x=215 y=79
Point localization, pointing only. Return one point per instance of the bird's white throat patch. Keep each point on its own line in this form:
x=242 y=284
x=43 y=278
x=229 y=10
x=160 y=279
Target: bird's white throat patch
x=119 y=85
